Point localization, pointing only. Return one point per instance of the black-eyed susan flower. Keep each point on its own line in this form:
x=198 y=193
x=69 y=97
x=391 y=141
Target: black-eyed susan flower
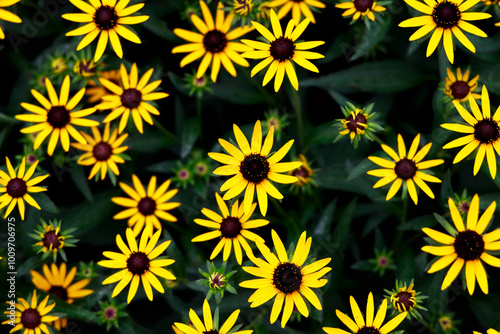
x=52 y=239
x=445 y=18
x=369 y=323
x=6 y=15
x=405 y=169
x=285 y=279
x=482 y=132
x=145 y=207
x=56 y=117
x=298 y=8
x=252 y=168
x=131 y=97
x=110 y=313
x=85 y=68
x=360 y=8
x=448 y=323
x=217 y=281
x=465 y=246
x=304 y=174
x=405 y=299
x=16 y=187
x=102 y=151
x=96 y=91
x=106 y=19
x=214 y=42
x=357 y=123
x=489 y=331
x=281 y=50
x=242 y=8
x=58 y=282
x=232 y=228
x=209 y=325
x=459 y=87
x=33 y=317
x=138 y=263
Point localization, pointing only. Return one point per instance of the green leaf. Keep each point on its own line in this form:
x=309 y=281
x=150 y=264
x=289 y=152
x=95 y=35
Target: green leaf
x=160 y=28
x=45 y=202
x=418 y=223
x=326 y=219
x=372 y=37
x=446 y=225
x=75 y=312
x=80 y=179
x=341 y=233
x=29 y=264
x=190 y=132
x=150 y=141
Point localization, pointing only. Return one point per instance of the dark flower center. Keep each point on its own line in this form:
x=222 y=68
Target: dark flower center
x=460 y=89
x=230 y=227
x=354 y=123
x=469 y=245
x=368 y=330
x=31 y=318
x=486 y=131
x=301 y=172
x=404 y=300
x=363 y=5
x=110 y=313
x=146 y=206
x=131 y=98
x=254 y=168
x=59 y=292
x=138 y=263
x=383 y=261
x=51 y=238
x=214 y=41
x=58 y=116
x=105 y=18
x=405 y=169
x=217 y=281
x=17 y=187
x=446 y=14
x=287 y=277
x=102 y=151
x=282 y=49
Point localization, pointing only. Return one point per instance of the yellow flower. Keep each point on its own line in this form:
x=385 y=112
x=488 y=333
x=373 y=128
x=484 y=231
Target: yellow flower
x=445 y=17
x=16 y=187
x=466 y=246
x=242 y=7
x=371 y=325
x=232 y=228
x=483 y=132
x=96 y=92
x=214 y=43
x=144 y=208
x=132 y=96
x=32 y=317
x=303 y=173
x=287 y=280
x=281 y=50
x=252 y=168
x=405 y=168
x=56 y=281
x=459 y=87
x=138 y=263
x=106 y=19
x=297 y=7
x=56 y=116
x=6 y=15
x=360 y=8
x=489 y=331
x=102 y=151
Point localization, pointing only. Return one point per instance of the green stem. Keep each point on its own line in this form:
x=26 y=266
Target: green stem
x=167 y=133
x=298 y=114
x=269 y=98
x=198 y=115
x=377 y=139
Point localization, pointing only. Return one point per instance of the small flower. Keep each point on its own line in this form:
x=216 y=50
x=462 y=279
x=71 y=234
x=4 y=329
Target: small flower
x=448 y=324
x=304 y=174
x=52 y=240
x=357 y=124
x=85 y=68
x=138 y=263
x=110 y=313
x=217 y=281
x=32 y=317
x=95 y=91
x=16 y=187
x=106 y=19
x=263 y=11
x=6 y=15
x=298 y=8
x=276 y=120
x=59 y=65
x=405 y=299
x=360 y=8
x=463 y=203
x=445 y=17
x=288 y=281
x=482 y=132
x=242 y=7
x=197 y=85
x=209 y=326
x=371 y=325
x=184 y=175
x=144 y=208
x=405 y=168
x=383 y=261
x=281 y=50
x=87 y=270
x=459 y=87
x=57 y=282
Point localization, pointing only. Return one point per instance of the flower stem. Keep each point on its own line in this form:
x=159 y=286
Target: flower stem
x=169 y=135
x=298 y=113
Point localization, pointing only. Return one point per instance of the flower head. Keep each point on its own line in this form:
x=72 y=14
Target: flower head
x=217 y=281
x=406 y=299
x=357 y=123
x=232 y=228
x=138 y=263
x=106 y=19
x=52 y=239
x=360 y=8
x=252 y=167
x=56 y=116
x=145 y=207
x=298 y=8
x=405 y=169
x=59 y=65
x=465 y=246
x=287 y=280
x=276 y=120
x=214 y=42
x=448 y=324
x=110 y=313
x=85 y=68
x=482 y=132
x=281 y=50
x=371 y=325
x=459 y=87
x=16 y=187
x=6 y=15
x=445 y=17
x=132 y=96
